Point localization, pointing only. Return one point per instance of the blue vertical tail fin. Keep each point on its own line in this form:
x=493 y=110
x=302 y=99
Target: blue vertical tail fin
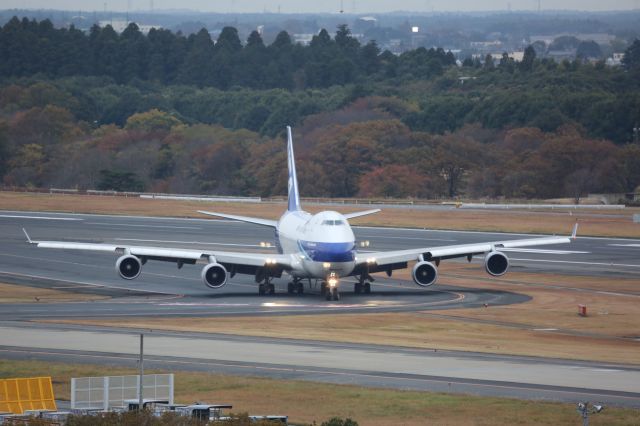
x=294 y=198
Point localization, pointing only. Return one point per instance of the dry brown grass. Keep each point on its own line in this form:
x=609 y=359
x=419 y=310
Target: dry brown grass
x=12 y=293
x=306 y=402
x=615 y=224
x=513 y=329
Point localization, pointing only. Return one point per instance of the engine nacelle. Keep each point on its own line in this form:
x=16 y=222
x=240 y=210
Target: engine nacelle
x=214 y=275
x=496 y=263
x=128 y=266
x=425 y=274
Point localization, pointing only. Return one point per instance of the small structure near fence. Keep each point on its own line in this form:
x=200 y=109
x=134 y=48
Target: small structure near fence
x=21 y=395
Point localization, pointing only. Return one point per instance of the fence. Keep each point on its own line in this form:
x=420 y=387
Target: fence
x=112 y=391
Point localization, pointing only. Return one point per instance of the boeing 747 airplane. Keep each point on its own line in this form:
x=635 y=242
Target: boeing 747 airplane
x=312 y=248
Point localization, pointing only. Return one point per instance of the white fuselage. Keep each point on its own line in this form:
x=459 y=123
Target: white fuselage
x=321 y=243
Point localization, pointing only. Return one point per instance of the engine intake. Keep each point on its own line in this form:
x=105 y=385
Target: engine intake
x=128 y=266
x=214 y=275
x=496 y=263
x=425 y=274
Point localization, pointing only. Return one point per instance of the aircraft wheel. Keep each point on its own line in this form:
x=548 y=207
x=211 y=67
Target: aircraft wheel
x=272 y=289
x=300 y=288
x=261 y=290
x=328 y=295
x=290 y=288
x=323 y=288
x=357 y=288
x=335 y=294
x=367 y=288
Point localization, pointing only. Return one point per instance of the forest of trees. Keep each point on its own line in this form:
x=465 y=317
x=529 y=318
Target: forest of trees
x=165 y=113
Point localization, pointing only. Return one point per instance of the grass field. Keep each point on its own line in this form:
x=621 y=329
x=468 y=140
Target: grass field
x=610 y=332
x=615 y=223
x=11 y=293
x=306 y=402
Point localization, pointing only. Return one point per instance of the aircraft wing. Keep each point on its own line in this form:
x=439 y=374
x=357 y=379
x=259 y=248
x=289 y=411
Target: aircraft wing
x=241 y=262
x=255 y=220
x=378 y=260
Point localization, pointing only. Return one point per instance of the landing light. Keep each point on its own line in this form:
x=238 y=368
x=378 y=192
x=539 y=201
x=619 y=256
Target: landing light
x=326 y=265
x=270 y=261
x=371 y=260
x=332 y=281
x=364 y=243
x=264 y=244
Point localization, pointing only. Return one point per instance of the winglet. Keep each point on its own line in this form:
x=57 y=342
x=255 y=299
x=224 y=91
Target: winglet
x=27 y=235
x=574 y=233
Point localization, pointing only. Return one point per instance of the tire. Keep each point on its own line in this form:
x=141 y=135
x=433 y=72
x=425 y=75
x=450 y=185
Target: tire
x=272 y=289
x=300 y=288
x=329 y=296
x=335 y=294
x=261 y=290
x=290 y=288
x=323 y=288
x=367 y=288
x=357 y=288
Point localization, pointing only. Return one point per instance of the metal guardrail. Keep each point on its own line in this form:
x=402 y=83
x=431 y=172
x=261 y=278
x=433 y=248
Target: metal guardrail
x=321 y=201
x=202 y=198
x=542 y=206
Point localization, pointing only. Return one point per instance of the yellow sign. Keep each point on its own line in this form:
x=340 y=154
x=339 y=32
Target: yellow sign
x=19 y=395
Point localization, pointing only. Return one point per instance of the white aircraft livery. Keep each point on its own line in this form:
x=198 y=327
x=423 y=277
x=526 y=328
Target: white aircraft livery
x=315 y=248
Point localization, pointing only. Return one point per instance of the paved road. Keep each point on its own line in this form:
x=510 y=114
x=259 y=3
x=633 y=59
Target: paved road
x=164 y=290
x=365 y=365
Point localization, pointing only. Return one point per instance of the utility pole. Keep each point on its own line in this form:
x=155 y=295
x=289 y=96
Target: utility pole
x=141 y=387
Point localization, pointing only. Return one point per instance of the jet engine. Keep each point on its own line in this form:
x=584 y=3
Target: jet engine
x=214 y=275
x=496 y=263
x=128 y=266
x=425 y=274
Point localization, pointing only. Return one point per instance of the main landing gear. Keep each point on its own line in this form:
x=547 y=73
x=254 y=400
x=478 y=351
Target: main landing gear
x=266 y=288
x=363 y=286
x=295 y=287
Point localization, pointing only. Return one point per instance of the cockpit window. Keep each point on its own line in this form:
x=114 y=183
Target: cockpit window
x=333 y=222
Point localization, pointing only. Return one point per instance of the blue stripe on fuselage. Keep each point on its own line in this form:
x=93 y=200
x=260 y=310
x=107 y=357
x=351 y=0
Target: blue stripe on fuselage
x=329 y=252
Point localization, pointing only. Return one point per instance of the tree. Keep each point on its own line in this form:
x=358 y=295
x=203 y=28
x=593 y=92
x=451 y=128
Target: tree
x=453 y=158
x=395 y=180
x=152 y=120
x=115 y=180
x=631 y=59
x=589 y=50
x=368 y=59
x=528 y=60
x=196 y=68
x=489 y=64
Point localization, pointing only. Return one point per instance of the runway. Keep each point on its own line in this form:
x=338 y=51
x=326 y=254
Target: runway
x=163 y=290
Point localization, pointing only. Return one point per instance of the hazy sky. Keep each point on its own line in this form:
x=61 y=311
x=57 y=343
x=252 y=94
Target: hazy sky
x=297 y=6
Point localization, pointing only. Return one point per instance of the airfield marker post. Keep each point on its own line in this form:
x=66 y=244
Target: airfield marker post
x=141 y=384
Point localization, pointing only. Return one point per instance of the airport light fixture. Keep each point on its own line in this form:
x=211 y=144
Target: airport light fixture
x=585 y=409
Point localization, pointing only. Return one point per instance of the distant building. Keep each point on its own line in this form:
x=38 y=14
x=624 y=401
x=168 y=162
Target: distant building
x=303 y=39
x=516 y=56
x=615 y=60
x=120 y=25
x=365 y=23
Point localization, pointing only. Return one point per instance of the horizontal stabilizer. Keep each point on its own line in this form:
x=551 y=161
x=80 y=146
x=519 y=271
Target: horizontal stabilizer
x=363 y=213
x=256 y=220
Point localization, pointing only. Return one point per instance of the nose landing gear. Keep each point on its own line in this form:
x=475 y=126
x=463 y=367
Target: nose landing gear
x=330 y=287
